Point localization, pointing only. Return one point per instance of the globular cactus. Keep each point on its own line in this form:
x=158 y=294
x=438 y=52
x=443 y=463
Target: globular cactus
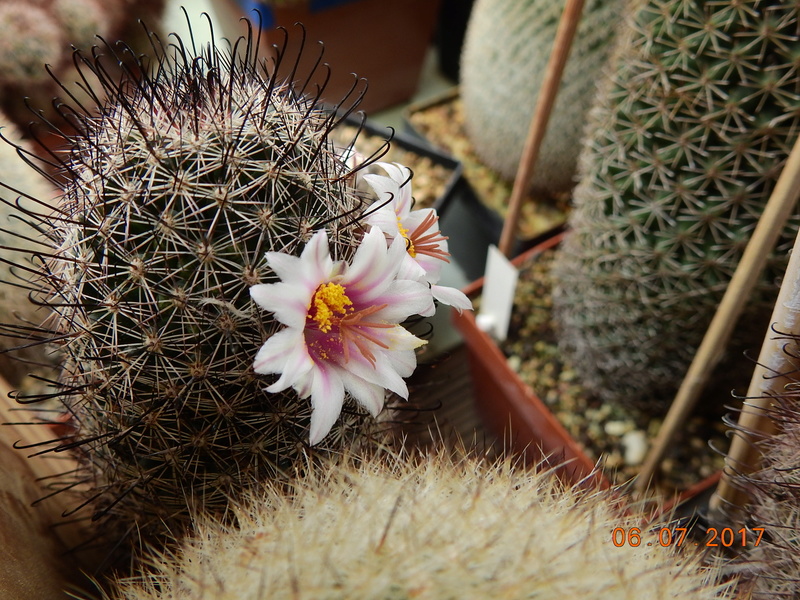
x=35 y=33
x=82 y=20
x=28 y=40
x=427 y=527
x=508 y=43
x=685 y=146
x=202 y=178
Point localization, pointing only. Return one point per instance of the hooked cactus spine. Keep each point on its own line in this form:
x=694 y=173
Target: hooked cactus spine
x=14 y=290
x=685 y=146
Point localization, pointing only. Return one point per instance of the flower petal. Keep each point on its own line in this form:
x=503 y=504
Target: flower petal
x=404 y=298
x=288 y=302
x=451 y=297
x=327 y=397
x=369 y=395
x=401 y=175
x=371 y=271
x=285 y=353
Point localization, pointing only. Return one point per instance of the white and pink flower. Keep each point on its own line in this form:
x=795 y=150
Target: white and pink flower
x=343 y=331
x=426 y=247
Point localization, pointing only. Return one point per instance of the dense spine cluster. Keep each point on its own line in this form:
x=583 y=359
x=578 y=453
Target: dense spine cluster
x=774 y=493
x=685 y=146
x=430 y=527
x=503 y=63
x=198 y=165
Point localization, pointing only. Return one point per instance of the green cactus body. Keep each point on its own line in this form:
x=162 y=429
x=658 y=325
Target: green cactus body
x=685 y=146
x=172 y=195
x=505 y=55
x=431 y=528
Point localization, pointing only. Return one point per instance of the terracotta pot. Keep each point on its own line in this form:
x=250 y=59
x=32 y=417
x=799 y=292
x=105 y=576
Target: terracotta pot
x=514 y=412
x=383 y=41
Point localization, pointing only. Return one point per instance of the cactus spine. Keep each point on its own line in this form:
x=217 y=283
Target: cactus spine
x=685 y=147
x=430 y=528
x=506 y=50
x=171 y=197
x=773 y=566
x=14 y=303
x=775 y=563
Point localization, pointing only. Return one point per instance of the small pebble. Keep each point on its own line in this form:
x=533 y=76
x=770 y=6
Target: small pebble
x=635 y=444
x=618 y=428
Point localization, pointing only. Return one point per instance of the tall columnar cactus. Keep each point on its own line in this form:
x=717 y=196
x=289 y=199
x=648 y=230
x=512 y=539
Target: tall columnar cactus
x=429 y=529
x=503 y=63
x=686 y=144
x=209 y=235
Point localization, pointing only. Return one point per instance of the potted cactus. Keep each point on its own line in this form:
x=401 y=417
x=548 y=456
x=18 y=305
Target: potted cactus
x=35 y=34
x=226 y=306
x=669 y=193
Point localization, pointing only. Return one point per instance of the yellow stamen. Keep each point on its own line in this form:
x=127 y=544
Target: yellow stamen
x=329 y=301
x=409 y=244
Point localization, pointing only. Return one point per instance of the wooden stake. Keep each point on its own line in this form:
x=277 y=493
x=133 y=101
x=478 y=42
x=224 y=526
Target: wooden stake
x=769 y=378
x=544 y=105
x=769 y=227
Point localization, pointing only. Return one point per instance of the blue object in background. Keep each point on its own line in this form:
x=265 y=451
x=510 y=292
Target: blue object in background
x=250 y=7
x=268 y=18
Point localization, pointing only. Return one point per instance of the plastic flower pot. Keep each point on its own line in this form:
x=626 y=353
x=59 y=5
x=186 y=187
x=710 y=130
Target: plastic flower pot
x=514 y=412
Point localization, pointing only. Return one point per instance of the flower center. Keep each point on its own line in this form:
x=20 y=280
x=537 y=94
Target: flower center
x=329 y=302
x=409 y=243
x=426 y=239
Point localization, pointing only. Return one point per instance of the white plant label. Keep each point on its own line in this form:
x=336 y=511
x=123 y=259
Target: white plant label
x=499 y=285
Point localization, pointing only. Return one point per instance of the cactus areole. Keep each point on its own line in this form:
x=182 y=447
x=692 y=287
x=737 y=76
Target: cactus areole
x=205 y=178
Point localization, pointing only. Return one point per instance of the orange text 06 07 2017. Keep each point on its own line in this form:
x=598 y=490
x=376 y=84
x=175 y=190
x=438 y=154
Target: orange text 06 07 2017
x=677 y=536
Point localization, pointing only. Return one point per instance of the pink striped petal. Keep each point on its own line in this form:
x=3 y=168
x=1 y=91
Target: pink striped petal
x=327 y=397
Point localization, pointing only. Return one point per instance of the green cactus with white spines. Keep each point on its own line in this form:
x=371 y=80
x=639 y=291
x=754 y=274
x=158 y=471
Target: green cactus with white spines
x=684 y=148
x=503 y=63
x=171 y=197
x=428 y=527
